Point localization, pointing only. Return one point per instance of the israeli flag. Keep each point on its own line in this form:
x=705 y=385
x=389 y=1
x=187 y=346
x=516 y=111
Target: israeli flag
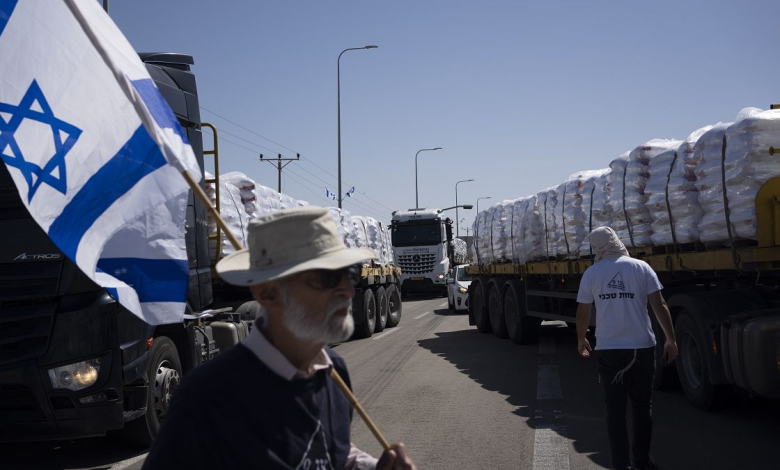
x=329 y=194
x=350 y=192
x=95 y=152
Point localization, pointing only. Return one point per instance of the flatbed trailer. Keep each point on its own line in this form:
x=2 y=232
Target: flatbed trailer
x=724 y=301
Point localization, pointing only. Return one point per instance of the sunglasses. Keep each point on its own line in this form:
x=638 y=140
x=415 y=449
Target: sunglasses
x=330 y=278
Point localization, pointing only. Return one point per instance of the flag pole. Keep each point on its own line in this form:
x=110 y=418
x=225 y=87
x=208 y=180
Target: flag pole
x=204 y=199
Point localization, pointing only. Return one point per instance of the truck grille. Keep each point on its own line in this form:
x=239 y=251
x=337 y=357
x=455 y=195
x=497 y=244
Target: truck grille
x=18 y=403
x=27 y=306
x=417 y=264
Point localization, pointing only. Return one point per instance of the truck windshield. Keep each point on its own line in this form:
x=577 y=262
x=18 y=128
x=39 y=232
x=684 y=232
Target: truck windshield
x=462 y=275
x=417 y=233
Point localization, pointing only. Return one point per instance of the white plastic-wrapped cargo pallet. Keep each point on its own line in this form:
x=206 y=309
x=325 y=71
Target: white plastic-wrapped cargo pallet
x=592 y=180
x=548 y=201
x=615 y=188
x=459 y=251
x=709 y=183
x=640 y=227
x=533 y=245
x=481 y=230
x=749 y=165
x=671 y=192
x=600 y=209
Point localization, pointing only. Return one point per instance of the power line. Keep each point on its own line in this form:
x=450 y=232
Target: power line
x=248 y=130
x=361 y=205
x=280 y=145
x=363 y=193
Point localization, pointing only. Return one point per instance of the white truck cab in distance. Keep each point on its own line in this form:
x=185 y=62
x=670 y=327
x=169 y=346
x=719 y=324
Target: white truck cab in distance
x=421 y=244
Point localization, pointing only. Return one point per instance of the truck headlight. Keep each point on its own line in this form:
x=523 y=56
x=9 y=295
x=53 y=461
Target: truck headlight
x=440 y=276
x=75 y=376
x=463 y=290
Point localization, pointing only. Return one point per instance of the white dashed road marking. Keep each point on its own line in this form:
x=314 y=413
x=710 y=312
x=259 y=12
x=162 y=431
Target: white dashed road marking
x=128 y=462
x=551 y=446
x=385 y=333
x=420 y=316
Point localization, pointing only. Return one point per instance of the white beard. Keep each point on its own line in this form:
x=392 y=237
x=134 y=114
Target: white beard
x=306 y=325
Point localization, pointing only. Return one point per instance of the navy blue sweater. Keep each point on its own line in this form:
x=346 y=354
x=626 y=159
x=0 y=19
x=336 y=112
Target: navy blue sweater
x=235 y=413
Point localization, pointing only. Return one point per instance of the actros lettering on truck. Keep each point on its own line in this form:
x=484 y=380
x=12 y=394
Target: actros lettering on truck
x=37 y=256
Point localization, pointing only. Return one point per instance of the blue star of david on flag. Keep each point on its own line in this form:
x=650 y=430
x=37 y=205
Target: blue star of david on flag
x=14 y=156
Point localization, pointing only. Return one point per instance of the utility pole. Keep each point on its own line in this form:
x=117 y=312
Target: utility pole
x=278 y=165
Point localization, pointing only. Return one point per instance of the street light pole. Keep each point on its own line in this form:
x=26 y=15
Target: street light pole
x=416 y=199
x=338 y=84
x=457 y=226
x=488 y=197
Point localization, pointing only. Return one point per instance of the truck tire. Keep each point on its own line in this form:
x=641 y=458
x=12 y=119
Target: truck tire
x=381 y=309
x=364 y=311
x=496 y=308
x=521 y=328
x=394 y=306
x=691 y=368
x=477 y=301
x=164 y=375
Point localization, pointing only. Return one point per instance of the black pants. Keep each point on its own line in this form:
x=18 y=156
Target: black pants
x=636 y=383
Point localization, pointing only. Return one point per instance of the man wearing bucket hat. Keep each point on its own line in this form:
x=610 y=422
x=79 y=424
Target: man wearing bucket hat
x=621 y=287
x=271 y=402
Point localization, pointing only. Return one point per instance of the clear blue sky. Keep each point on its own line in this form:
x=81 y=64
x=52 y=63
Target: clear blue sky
x=519 y=94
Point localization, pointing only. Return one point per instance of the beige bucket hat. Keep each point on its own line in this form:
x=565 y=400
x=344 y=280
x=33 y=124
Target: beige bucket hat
x=289 y=242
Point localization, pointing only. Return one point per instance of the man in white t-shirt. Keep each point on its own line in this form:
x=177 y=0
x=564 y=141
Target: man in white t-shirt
x=621 y=287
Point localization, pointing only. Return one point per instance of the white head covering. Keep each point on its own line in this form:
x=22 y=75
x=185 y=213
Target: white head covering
x=606 y=244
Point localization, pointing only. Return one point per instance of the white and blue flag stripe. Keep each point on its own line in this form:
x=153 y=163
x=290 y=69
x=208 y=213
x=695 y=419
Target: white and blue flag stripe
x=95 y=152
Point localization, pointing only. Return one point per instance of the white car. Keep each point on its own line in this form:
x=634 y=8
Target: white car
x=458 y=289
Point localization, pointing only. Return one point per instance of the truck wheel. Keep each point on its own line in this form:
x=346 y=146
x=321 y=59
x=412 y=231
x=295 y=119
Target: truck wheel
x=394 y=306
x=380 y=297
x=521 y=328
x=496 y=309
x=477 y=301
x=164 y=374
x=364 y=309
x=691 y=366
x=665 y=377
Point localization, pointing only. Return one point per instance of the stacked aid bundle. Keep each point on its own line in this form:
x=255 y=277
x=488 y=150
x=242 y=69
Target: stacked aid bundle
x=548 y=201
x=584 y=216
x=615 y=188
x=232 y=211
x=749 y=165
x=663 y=192
x=601 y=211
x=671 y=191
x=709 y=184
x=481 y=242
x=575 y=212
x=639 y=220
x=500 y=242
x=459 y=251
x=364 y=232
x=532 y=230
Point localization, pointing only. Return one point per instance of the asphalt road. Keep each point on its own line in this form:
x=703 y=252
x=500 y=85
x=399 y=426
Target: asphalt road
x=460 y=399
x=464 y=400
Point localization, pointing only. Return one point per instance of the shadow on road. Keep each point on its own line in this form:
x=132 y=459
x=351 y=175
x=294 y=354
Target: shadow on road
x=744 y=434
x=509 y=369
x=99 y=453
